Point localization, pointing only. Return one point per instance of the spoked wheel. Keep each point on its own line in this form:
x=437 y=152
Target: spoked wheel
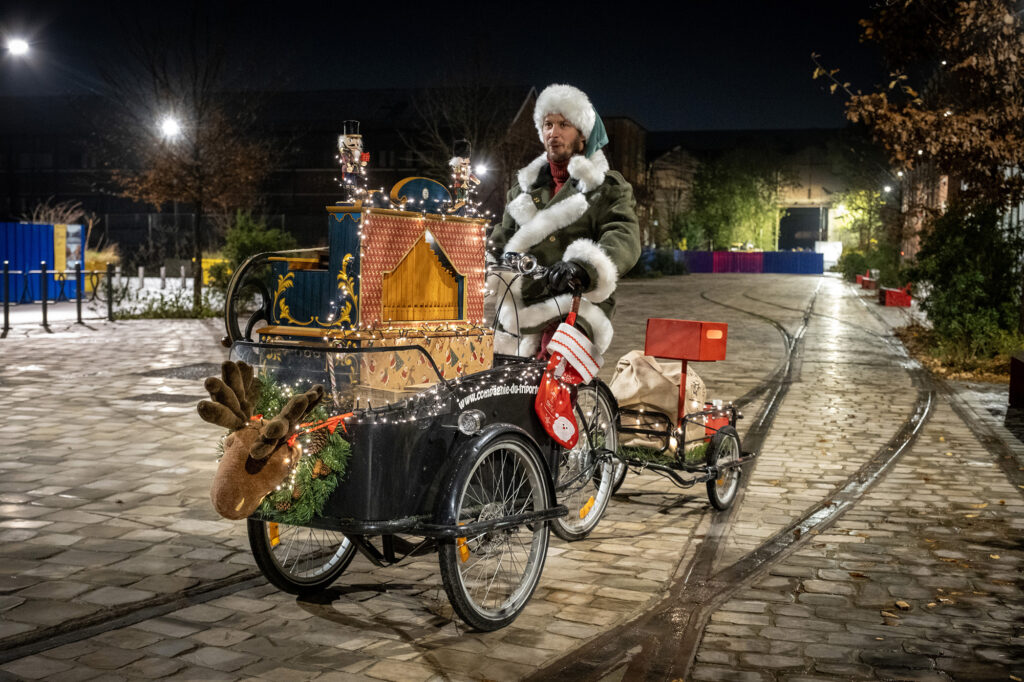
x=490 y=577
x=587 y=473
x=619 y=473
x=297 y=559
x=724 y=449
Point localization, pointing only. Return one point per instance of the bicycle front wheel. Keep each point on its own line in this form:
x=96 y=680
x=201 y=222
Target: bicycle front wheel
x=297 y=559
x=490 y=577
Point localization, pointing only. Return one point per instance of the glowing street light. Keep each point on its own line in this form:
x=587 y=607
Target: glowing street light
x=17 y=47
x=887 y=188
x=170 y=128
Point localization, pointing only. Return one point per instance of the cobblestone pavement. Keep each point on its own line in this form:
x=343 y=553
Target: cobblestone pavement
x=921 y=581
x=103 y=509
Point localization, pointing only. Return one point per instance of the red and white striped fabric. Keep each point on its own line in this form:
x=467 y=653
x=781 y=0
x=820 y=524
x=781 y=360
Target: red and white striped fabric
x=577 y=349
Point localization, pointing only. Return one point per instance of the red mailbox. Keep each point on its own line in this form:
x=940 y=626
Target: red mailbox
x=685 y=340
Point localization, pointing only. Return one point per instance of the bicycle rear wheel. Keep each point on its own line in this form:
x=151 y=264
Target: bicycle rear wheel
x=724 y=449
x=587 y=473
x=490 y=577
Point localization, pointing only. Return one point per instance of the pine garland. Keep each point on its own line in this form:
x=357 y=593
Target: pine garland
x=303 y=495
x=306 y=492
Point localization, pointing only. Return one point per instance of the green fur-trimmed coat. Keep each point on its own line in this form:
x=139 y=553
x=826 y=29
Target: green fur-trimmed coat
x=590 y=221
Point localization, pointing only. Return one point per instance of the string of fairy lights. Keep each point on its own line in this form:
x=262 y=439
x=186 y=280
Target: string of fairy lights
x=463 y=198
x=351 y=395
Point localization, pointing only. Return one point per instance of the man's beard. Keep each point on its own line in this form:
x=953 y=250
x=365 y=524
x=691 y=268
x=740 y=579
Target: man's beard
x=564 y=152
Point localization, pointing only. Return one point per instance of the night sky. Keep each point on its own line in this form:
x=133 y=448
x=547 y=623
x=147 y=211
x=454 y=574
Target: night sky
x=705 y=65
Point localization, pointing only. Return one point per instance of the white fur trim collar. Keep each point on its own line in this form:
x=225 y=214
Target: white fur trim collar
x=546 y=222
x=535 y=225
x=588 y=251
x=588 y=173
x=528 y=174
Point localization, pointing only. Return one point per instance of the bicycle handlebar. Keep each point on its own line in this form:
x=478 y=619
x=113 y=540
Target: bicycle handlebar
x=520 y=263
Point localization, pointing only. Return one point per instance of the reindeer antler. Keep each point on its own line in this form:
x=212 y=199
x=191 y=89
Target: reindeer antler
x=233 y=396
x=276 y=431
x=257 y=457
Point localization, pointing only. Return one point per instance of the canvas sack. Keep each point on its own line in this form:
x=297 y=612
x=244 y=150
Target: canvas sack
x=643 y=382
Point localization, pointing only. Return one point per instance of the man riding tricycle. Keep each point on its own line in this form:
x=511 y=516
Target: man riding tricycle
x=371 y=408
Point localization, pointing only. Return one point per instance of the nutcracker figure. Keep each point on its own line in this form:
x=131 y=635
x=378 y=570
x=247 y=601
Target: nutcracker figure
x=463 y=180
x=353 y=161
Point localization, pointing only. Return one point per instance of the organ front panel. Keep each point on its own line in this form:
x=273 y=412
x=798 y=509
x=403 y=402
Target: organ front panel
x=420 y=288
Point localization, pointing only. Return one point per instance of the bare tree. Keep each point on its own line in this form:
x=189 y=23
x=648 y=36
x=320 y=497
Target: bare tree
x=181 y=137
x=493 y=115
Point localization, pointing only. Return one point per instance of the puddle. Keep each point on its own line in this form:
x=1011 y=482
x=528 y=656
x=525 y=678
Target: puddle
x=165 y=398
x=199 y=370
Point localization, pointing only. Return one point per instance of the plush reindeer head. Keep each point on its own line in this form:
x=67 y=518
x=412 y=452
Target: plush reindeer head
x=257 y=457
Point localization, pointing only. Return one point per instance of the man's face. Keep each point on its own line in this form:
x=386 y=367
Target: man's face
x=561 y=138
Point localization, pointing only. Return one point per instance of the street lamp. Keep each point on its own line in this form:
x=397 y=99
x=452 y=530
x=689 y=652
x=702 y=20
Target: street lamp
x=18 y=47
x=170 y=128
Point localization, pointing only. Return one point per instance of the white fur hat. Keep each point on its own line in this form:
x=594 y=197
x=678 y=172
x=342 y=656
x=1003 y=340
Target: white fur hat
x=569 y=102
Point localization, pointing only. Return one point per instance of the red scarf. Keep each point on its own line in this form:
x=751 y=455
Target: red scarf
x=560 y=172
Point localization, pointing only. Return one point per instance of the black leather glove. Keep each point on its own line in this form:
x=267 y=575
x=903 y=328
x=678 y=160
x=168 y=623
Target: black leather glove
x=566 y=276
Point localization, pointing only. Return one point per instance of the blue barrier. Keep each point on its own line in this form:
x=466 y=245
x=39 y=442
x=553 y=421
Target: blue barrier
x=699 y=261
x=794 y=262
x=25 y=247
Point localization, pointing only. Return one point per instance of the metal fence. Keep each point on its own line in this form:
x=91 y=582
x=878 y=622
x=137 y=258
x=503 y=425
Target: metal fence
x=145 y=238
x=61 y=285
x=108 y=287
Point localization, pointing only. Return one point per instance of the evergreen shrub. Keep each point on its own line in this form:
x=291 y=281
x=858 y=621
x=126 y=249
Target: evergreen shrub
x=970 y=268
x=247 y=237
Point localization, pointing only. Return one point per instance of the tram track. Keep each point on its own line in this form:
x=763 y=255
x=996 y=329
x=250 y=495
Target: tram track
x=662 y=643
x=1011 y=465
x=77 y=629
x=746 y=294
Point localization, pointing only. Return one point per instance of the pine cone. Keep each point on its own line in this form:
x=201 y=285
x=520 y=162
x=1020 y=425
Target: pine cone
x=320 y=469
x=283 y=506
x=296 y=493
x=317 y=441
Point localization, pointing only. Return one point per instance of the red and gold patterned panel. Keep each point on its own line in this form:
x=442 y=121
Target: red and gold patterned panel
x=387 y=238
x=455 y=356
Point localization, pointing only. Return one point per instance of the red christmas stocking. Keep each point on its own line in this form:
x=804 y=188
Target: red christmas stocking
x=574 y=360
x=554 y=404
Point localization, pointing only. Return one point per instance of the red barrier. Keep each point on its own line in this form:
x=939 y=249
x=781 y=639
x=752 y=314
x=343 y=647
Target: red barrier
x=738 y=261
x=895 y=297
